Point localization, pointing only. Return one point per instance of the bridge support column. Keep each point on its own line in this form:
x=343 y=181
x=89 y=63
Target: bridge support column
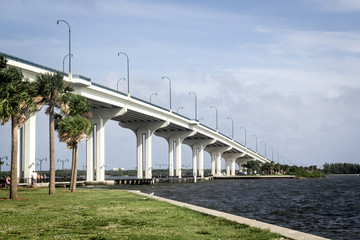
x=198 y=146
x=194 y=160
x=216 y=153
x=230 y=162
x=100 y=117
x=240 y=162
x=227 y=167
x=233 y=167
x=90 y=158
x=144 y=131
x=29 y=148
x=175 y=138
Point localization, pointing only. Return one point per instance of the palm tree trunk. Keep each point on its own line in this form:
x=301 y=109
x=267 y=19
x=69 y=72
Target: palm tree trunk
x=14 y=155
x=74 y=169
x=52 y=152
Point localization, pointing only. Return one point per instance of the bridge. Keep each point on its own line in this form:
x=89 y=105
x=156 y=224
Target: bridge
x=144 y=119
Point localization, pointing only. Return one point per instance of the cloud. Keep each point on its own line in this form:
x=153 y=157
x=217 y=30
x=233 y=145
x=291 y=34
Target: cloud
x=342 y=6
x=311 y=42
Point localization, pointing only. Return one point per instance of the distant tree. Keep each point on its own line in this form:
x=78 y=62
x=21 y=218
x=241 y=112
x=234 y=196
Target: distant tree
x=341 y=168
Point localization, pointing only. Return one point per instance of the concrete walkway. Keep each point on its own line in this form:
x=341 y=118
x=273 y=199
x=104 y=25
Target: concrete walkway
x=286 y=232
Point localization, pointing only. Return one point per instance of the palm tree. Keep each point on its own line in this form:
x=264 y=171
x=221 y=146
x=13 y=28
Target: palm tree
x=16 y=97
x=73 y=129
x=52 y=88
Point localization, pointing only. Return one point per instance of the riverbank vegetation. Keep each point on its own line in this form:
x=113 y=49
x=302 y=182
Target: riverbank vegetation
x=341 y=168
x=110 y=214
x=272 y=168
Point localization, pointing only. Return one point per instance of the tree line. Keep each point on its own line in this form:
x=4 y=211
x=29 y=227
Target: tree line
x=20 y=97
x=272 y=168
x=341 y=168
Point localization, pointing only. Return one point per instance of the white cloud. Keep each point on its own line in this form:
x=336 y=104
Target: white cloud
x=343 y=6
x=311 y=42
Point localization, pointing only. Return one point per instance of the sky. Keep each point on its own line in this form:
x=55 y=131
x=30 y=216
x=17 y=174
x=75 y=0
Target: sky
x=286 y=71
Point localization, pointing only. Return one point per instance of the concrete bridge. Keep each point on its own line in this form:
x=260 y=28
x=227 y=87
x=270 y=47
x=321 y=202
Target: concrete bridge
x=144 y=119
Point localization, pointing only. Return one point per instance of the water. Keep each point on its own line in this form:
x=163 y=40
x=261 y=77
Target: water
x=328 y=207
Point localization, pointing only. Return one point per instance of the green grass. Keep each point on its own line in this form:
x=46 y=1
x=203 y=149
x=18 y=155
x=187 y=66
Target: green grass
x=110 y=214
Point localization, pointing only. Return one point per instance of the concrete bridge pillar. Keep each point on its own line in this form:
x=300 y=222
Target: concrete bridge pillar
x=230 y=162
x=144 y=132
x=175 y=139
x=240 y=162
x=198 y=146
x=28 y=133
x=29 y=148
x=99 y=119
x=216 y=153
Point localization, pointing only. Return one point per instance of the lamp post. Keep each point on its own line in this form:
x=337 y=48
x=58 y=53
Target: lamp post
x=195 y=104
x=255 y=142
x=169 y=89
x=232 y=127
x=62 y=162
x=265 y=147
x=216 y=111
x=58 y=21
x=177 y=110
x=41 y=160
x=245 y=134
x=272 y=153
x=152 y=95
x=1 y=158
x=160 y=165
x=117 y=84
x=128 y=79
x=186 y=167
x=64 y=61
x=277 y=155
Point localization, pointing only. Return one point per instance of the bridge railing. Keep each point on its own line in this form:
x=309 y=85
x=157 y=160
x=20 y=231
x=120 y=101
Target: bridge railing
x=8 y=56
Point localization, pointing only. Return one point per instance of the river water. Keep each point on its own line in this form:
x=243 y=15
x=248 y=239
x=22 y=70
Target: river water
x=327 y=207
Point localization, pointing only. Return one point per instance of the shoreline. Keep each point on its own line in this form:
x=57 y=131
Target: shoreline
x=286 y=232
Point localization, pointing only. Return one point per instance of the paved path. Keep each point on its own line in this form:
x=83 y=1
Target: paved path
x=286 y=232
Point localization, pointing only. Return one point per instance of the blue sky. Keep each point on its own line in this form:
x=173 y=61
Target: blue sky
x=287 y=71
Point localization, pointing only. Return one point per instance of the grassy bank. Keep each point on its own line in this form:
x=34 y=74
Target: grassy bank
x=109 y=214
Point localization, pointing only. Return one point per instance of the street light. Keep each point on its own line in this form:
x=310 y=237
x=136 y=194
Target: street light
x=177 y=110
x=152 y=95
x=58 y=21
x=128 y=79
x=264 y=147
x=232 y=127
x=160 y=165
x=41 y=160
x=195 y=104
x=256 y=141
x=5 y=157
x=117 y=84
x=186 y=167
x=244 y=135
x=169 y=89
x=63 y=161
x=216 y=111
x=277 y=155
x=272 y=153
x=64 y=61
